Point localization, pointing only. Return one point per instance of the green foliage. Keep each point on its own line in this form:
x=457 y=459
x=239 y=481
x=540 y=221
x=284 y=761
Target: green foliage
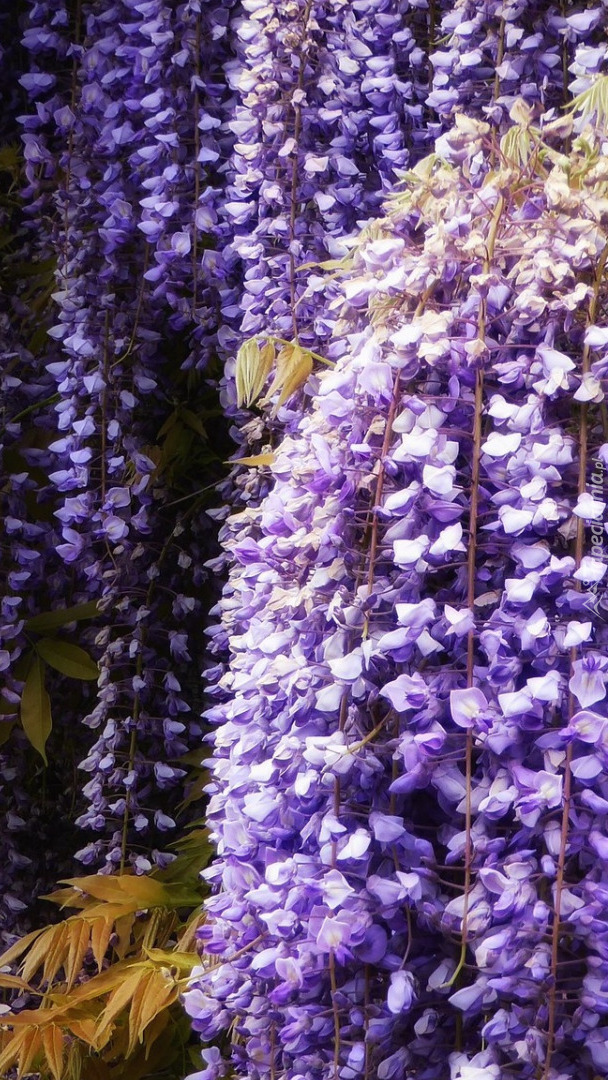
x=10 y=160
x=54 y=620
x=66 y=658
x=61 y=655
x=191 y=441
x=35 y=710
x=181 y=437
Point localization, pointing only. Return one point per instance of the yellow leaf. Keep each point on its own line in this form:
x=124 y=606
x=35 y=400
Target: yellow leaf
x=264 y=369
x=182 y=961
x=36 y=708
x=98 y=985
x=144 y=891
x=99 y=886
x=155 y=1028
x=329 y=264
x=52 y=1044
x=247 y=357
x=188 y=937
x=37 y=954
x=14 y=983
x=162 y=984
x=122 y=929
x=30 y=1046
x=107 y=911
x=101 y=932
x=19 y=947
x=159 y=1001
x=151 y=929
x=9 y=1055
x=78 y=945
x=253 y=366
x=119 y=998
x=66 y=898
x=293 y=367
x=143 y=989
x=57 y=950
x=28 y=1018
x=75 y=1065
x=257 y=459
x=84 y=1028
x=521 y=113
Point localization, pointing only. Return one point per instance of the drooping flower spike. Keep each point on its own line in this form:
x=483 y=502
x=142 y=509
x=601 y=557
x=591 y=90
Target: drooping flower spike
x=402 y=816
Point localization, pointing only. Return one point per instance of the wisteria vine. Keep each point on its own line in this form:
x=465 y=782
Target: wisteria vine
x=407 y=821
x=365 y=244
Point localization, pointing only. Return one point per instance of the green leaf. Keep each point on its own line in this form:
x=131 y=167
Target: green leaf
x=68 y=659
x=168 y=424
x=193 y=421
x=177 y=444
x=10 y=159
x=6 y=730
x=52 y=620
x=7 y=708
x=36 y=708
x=38 y=340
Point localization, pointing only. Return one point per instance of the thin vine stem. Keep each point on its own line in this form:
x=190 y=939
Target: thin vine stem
x=336 y=1014
x=477 y=437
x=373 y=545
x=197 y=167
x=500 y=51
x=68 y=169
x=104 y=406
x=51 y=400
x=297 y=128
x=137 y=698
x=567 y=789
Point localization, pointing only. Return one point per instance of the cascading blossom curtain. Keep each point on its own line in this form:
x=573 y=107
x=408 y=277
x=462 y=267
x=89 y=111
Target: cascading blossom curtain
x=408 y=818
x=389 y=218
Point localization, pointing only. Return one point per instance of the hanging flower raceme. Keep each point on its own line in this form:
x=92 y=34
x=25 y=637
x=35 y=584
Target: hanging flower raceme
x=34 y=579
x=132 y=139
x=407 y=790
x=490 y=55
x=328 y=107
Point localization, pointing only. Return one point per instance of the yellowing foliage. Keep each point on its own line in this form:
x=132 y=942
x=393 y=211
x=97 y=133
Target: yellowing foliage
x=292 y=366
x=108 y=978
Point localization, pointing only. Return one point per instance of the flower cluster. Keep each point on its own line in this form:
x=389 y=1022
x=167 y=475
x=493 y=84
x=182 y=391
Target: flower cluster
x=408 y=674
x=328 y=107
x=32 y=575
x=491 y=54
x=407 y=816
x=115 y=147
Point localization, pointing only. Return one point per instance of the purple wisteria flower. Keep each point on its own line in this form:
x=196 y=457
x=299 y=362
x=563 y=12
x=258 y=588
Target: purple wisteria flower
x=408 y=653
x=407 y=677
x=110 y=169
